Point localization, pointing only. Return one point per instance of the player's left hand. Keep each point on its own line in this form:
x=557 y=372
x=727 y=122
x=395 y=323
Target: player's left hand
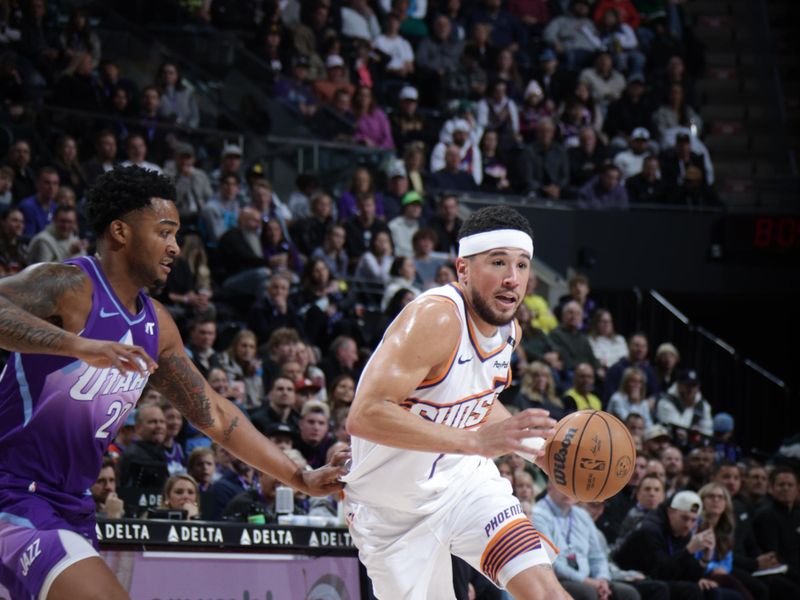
x=327 y=479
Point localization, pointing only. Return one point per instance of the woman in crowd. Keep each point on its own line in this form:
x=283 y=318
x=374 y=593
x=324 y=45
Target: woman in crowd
x=202 y=467
x=282 y=253
x=241 y=364
x=538 y=390
x=375 y=263
x=607 y=345
x=341 y=392
x=188 y=291
x=79 y=37
x=321 y=301
x=631 y=396
x=401 y=275
x=67 y=163
x=676 y=112
x=178 y=101
x=182 y=493
x=176 y=458
x=13 y=247
x=495 y=171
x=372 y=125
x=361 y=184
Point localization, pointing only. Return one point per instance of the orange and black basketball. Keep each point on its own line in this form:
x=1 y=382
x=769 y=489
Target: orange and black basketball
x=591 y=455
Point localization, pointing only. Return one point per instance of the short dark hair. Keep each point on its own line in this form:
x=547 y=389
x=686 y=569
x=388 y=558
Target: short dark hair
x=64 y=208
x=121 y=191
x=490 y=218
x=781 y=470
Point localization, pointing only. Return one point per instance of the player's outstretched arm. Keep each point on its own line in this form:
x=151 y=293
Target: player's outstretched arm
x=183 y=385
x=43 y=306
x=419 y=344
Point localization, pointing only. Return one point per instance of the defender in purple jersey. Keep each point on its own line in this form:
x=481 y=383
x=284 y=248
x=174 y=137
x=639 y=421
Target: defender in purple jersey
x=85 y=339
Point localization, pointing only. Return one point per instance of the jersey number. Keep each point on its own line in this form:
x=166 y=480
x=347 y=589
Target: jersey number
x=115 y=412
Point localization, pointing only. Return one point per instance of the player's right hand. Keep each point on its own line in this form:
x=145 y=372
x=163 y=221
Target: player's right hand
x=505 y=437
x=124 y=357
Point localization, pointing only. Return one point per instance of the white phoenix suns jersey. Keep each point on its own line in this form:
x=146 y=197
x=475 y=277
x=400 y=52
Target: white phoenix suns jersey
x=462 y=396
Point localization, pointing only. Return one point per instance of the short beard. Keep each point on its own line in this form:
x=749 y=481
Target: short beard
x=484 y=312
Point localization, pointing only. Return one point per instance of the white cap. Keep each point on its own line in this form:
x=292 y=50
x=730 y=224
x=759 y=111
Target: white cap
x=686 y=500
x=533 y=89
x=396 y=169
x=231 y=149
x=334 y=60
x=461 y=125
x=409 y=93
x=640 y=133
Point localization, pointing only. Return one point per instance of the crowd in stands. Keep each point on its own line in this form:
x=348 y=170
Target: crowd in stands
x=282 y=301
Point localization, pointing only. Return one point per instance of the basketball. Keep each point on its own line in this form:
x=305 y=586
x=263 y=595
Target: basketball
x=591 y=455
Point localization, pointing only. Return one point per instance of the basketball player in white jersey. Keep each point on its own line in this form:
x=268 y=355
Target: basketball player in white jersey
x=426 y=422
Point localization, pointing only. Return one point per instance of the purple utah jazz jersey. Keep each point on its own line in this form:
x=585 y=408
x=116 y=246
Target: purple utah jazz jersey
x=59 y=414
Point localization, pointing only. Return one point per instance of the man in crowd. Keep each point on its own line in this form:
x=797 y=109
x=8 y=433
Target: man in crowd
x=315 y=436
x=39 y=208
x=580 y=396
x=777 y=520
x=144 y=463
x=280 y=406
x=104 y=492
x=637 y=357
x=570 y=342
x=59 y=240
x=202 y=335
x=683 y=406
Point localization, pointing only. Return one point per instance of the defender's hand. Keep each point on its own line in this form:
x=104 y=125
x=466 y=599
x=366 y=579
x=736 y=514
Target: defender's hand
x=327 y=479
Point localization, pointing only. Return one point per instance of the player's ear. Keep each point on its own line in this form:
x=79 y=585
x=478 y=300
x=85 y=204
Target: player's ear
x=119 y=231
x=462 y=269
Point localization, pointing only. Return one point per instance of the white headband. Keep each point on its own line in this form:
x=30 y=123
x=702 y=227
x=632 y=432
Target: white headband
x=490 y=240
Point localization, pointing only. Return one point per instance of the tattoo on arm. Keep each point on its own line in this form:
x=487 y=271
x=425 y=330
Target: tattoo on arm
x=29 y=301
x=226 y=436
x=180 y=382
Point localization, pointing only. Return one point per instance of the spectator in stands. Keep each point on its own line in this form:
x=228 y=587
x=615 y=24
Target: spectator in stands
x=274 y=309
x=457 y=132
x=235 y=479
x=631 y=161
x=580 y=396
x=362 y=227
x=6 y=183
x=299 y=203
x=178 y=102
x=143 y=463
x=176 y=457
x=583 y=569
x=541 y=315
x=608 y=346
x=468 y=79
x=280 y=251
x=683 y=405
x=633 y=110
x=136 y=151
x=181 y=492
x=341 y=359
x=604 y=190
x=426 y=260
x=362 y=183
x=67 y=164
x=438 y=55
x=694 y=191
x=777 y=520
x=605 y=83
x=586 y=159
x=675 y=72
x=200 y=347
x=573 y=36
x=697 y=467
x=630 y=397
x=618 y=506
x=309 y=232
x=221 y=212
x=19 y=159
x=77 y=87
x=534 y=107
x=332 y=251
x=665 y=364
x=230 y=164
x=240 y=363
x=671 y=458
x=446 y=223
x=404 y=226
x=755 y=484
x=495 y=170
x=374 y=265
x=550 y=166
x=192 y=186
x=400 y=52
x=535 y=344
x=149 y=121
x=59 y=240
x=498 y=112
x=647 y=187
x=414 y=159
x=341 y=391
x=579 y=111
x=649 y=496
x=315 y=436
x=451 y=176
x=538 y=390
x=321 y=302
x=372 y=125
x=241 y=252
x=38 y=209
x=202 y=465
x=619 y=37
x=408 y=125
x=637 y=357
x=664 y=547
x=359 y=21
x=571 y=343
x=397 y=185
x=280 y=406
x=104 y=492
x=105 y=157
x=78 y=36
x=725 y=446
x=335 y=79
x=676 y=112
x=296 y=91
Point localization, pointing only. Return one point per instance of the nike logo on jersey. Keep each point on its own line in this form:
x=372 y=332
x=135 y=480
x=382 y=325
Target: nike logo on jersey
x=105 y=315
x=462 y=360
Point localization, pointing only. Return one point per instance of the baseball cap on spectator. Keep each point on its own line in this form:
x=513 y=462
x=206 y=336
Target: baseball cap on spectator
x=301 y=60
x=640 y=133
x=547 y=54
x=231 y=150
x=533 y=89
x=460 y=125
x=396 y=169
x=410 y=198
x=281 y=429
x=184 y=149
x=723 y=423
x=666 y=348
x=636 y=78
x=315 y=406
x=409 y=93
x=655 y=431
x=306 y=385
x=688 y=376
x=686 y=500
x=333 y=61
x=255 y=170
